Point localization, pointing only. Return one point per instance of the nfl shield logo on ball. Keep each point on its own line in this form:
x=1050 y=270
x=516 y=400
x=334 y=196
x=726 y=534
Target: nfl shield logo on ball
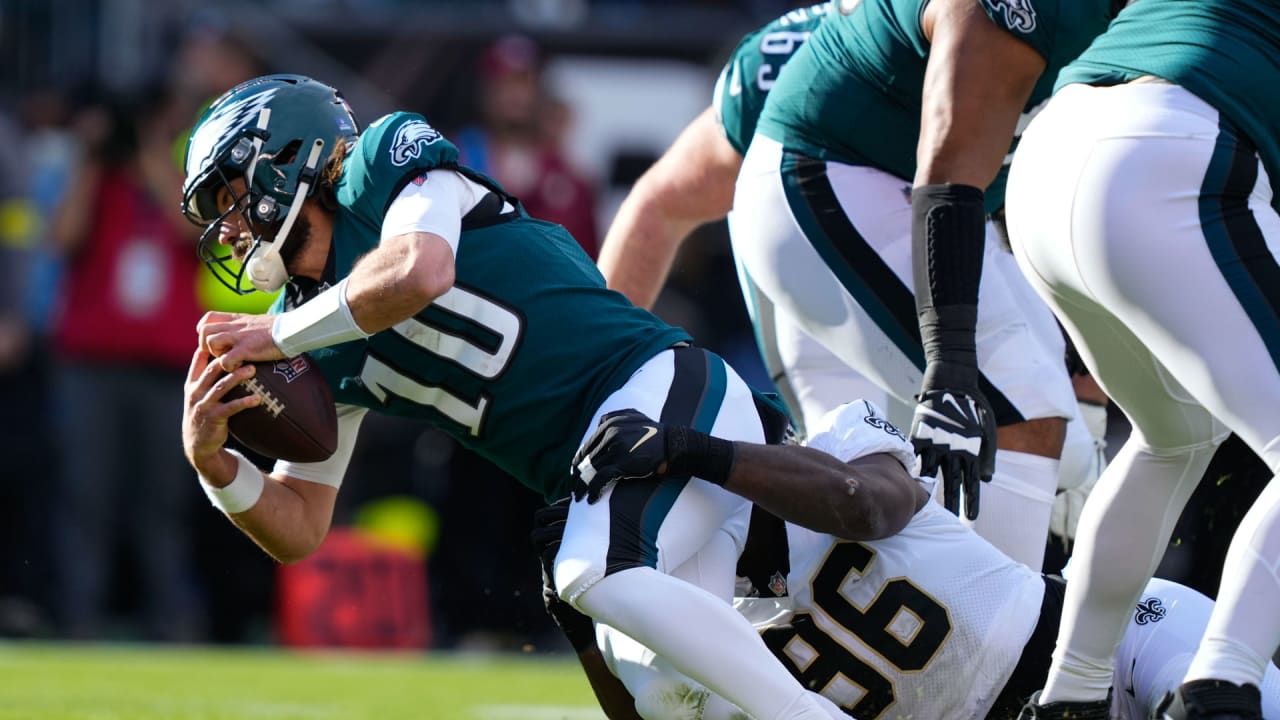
x=291 y=368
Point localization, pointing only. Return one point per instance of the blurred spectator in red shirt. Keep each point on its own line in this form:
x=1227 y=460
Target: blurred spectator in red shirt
x=518 y=140
x=122 y=337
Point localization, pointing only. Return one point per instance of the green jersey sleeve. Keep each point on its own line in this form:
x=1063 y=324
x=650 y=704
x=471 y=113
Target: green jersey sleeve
x=390 y=153
x=1058 y=30
x=749 y=74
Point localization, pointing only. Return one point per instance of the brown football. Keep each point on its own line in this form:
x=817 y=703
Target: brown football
x=296 y=420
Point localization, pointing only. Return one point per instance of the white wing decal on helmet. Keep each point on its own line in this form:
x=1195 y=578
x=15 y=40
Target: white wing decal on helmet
x=222 y=123
x=409 y=141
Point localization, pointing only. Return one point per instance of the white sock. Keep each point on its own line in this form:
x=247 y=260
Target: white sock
x=1244 y=629
x=1123 y=532
x=1015 y=506
x=702 y=637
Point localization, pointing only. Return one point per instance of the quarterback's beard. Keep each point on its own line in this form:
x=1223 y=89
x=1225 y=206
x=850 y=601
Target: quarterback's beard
x=299 y=236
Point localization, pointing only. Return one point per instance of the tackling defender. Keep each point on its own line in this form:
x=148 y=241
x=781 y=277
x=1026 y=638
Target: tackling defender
x=898 y=611
x=1141 y=207
x=423 y=289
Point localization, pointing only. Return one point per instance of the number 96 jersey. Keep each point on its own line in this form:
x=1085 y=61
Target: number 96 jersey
x=929 y=623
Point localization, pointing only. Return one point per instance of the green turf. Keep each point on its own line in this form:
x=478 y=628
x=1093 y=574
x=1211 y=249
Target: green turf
x=56 y=682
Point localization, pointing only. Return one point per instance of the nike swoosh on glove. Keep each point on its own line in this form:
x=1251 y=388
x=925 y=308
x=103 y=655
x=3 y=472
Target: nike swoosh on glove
x=955 y=432
x=627 y=445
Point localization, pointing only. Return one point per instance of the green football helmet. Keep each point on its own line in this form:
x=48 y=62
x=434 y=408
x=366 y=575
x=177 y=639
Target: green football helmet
x=273 y=132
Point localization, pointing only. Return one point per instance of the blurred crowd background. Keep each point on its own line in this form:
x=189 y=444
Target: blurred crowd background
x=104 y=533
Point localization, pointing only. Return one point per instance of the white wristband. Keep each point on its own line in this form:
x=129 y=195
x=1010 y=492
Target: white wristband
x=322 y=321
x=243 y=492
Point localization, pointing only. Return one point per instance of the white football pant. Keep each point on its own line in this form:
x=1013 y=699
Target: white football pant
x=1144 y=219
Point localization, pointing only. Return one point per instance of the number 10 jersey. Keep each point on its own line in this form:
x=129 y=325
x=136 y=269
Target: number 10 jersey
x=516 y=357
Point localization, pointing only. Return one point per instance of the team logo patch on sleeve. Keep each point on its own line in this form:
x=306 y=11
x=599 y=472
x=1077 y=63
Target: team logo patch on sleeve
x=1018 y=14
x=1149 y=610
x=410 y=140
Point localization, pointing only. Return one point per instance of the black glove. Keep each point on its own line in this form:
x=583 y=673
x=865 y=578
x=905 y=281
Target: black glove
x=548 y=531
x=628 y=445
x=955 y=431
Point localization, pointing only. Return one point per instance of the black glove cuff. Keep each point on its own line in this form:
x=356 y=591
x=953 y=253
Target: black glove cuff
x=950 y=348
x=696 y=454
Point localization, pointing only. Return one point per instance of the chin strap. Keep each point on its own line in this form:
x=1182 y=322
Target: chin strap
x=265 y=267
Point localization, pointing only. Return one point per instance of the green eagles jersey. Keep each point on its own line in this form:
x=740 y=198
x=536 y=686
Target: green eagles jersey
x=1226 y=52
x=852 y=93
x=754 y=66
x=516 y=357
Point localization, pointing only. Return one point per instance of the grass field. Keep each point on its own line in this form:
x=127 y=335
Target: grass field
x=66 y=682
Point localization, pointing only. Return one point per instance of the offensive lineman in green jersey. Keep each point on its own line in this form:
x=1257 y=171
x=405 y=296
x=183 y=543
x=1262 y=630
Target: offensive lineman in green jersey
x=692 y=183
x=423 y=289
x=1141 y=206
x=903 y=92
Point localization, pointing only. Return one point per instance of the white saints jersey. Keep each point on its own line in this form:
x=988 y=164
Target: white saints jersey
x=929 y=623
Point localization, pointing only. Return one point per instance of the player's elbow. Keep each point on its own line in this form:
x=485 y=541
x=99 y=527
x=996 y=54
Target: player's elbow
x=289 y=557
x=882 y=498
x=430 y=269
x=297 y=543
x=864 y=522
x=295 y=549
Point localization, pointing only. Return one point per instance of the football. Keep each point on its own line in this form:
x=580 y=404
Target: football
x=296 y=420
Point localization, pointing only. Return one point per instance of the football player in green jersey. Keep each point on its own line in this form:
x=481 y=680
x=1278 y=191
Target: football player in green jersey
x=899 y=93
x=423 y=289
x=1142 y=208
x=692 y=183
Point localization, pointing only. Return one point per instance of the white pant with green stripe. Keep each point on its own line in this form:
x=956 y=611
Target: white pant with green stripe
x=1145 y=221
x=656 y=558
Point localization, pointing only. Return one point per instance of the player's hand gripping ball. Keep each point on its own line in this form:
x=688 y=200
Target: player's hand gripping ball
x=296 y=419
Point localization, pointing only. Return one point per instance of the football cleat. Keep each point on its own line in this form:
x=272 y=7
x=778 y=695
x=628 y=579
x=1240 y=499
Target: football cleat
x=1211 y=700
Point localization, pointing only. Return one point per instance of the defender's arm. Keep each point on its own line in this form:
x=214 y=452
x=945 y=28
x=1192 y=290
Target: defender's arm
x=869 y=498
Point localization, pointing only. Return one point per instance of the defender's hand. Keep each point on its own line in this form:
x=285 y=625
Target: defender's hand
x=548 y=531
x=627 y=445
x=237 y=338
x=955 y=431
